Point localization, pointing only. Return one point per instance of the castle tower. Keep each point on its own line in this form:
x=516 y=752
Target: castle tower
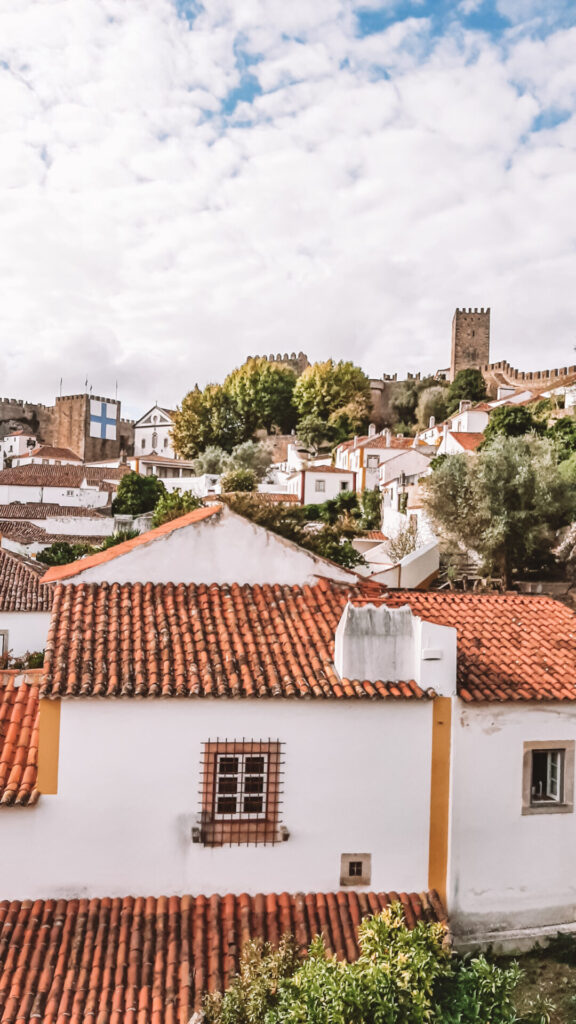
x=88 y=425
x=470 y=340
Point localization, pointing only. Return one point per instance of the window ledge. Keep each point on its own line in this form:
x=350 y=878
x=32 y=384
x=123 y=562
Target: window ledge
x=548 y=809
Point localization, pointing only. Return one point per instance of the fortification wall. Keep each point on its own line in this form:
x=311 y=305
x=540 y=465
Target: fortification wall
x=298 y=363
x=503 y=373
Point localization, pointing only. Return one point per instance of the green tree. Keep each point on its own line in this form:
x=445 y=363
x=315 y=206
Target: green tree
x=262 y=393
x=467 y=384
x=327 y=388
x=137 y=494
x=238 y=480
x=172 y=506
x=117 y=538
x=405 y=401
x=402 y=976
x=511 y=421
x=208 y=417
x=315 y=434
x=404 y=541
x=252 y=455
x=432 y=402
x=213 y=460
x=370 y=510
x=563 y=434
x=506 y=503
x=62 y=553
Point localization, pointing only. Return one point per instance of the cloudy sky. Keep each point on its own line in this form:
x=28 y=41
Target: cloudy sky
x=185 y=184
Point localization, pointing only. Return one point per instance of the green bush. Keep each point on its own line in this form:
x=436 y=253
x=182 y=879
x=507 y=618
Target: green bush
x=402 y=976
x=172 y=506
x=238 y=480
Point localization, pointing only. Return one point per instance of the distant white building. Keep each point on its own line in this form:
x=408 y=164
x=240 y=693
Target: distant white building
x=47 y=455
x=152 y=433
x=17 y=443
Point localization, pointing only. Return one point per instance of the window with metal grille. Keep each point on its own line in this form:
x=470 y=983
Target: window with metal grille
x=241 y=786
x=241 y=792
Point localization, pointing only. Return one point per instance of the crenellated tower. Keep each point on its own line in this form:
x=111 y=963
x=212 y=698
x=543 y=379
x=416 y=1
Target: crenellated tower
x=470 y=340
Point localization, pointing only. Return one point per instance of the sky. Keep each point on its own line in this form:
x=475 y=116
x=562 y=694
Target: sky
x=185 y=184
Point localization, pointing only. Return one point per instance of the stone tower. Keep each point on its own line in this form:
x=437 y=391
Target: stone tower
x=470 y=340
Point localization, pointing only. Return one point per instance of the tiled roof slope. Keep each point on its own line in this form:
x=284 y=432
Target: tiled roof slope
x=195 y=640
x=45 y=510
x=150 y=960
x=467 y=440
x=48 y=451
x=510 y=646
x=60 y=476
x=62 y=572
x=21 y=589
x=18 y=738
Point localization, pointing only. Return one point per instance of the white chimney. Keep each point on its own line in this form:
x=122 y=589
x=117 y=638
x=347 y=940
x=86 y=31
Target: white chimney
x=388 y=437
x=355 y=440
x=464 y=405
x=431 y=422
x=392 y=645
x=371 y=430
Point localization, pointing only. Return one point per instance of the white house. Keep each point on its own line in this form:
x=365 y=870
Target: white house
x=319 y=483
x=209 y=545
x=458 y=442
x=152 y=433
x=47 y=455
x=25 y=604
x=19 y=442
x=83 y=486
x=196 y=738
x=364 y=455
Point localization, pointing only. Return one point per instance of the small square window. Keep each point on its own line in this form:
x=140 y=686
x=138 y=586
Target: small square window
x=320 y=485
x=548 y=777
x=372 y=462
x=355 y=869
x=344 y=485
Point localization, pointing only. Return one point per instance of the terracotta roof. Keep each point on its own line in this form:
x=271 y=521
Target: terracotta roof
x=62 y=572
x=48 y=451
x=149 y=960
x=23 y=532
x=324 y=469
x=18 y=739
x=381 y=442
x=60 y=476
x=195 y=640
x=510 y=646
x=467 y=440
x=280 y=496
x=373 y=535
x=45 y=510
x=20 y=586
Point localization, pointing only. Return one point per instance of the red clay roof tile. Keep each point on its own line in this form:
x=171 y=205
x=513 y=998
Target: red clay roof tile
x=201 y=640
x=467 y=440
x=150 y=960
x=18 y=738
x=22 y=586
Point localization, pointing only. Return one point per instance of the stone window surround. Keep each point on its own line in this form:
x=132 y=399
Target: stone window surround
x=567 y=805
x=364 y=878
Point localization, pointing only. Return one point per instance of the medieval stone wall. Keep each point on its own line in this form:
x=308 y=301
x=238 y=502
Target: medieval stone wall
x=470 y=340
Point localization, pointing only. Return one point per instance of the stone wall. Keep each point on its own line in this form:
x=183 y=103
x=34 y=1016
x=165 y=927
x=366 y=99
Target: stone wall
x=470 y=340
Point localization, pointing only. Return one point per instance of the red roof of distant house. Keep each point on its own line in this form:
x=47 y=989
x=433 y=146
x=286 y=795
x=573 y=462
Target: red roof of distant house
x=324 y=469
x=467 y=440
x=373 y=535
x=18 y=738
x=62 y=572
x=379 y=441
x=150 y=960
x=44 y=510
x=22 y=586
x=37 y=475
x=47 y=451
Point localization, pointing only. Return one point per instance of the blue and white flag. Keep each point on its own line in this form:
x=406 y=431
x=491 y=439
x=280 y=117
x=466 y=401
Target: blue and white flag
x=103 y=420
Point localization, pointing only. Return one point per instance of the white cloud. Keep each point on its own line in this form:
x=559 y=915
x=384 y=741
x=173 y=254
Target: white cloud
x=376 y=184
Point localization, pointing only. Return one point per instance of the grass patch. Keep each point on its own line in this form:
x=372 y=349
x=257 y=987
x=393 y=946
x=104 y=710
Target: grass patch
x=546 y=993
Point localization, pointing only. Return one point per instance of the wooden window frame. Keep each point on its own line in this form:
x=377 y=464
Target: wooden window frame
x=241 y=831
x=564 y=806
x=365 y=878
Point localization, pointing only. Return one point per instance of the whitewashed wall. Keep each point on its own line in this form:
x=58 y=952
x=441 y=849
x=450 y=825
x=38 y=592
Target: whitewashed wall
x=507 y=870
x=86 y=497
x=222 y=549
x=128 y=794
x=27 y=631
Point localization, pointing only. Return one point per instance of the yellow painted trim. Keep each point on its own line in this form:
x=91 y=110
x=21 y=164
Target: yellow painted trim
x=440 y=795
x=48 y=746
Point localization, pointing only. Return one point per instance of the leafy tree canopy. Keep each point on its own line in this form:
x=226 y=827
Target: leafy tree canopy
x=137 y=494
x=252 y=455
x=563 y=434
x=213 y=460
x=262 y=393
x=506 y=503
x=62 y=553
x=432 y=402
x=172 y=506
x=209 y=417
x=467 y=384
x=511 y=421
x=238 y=480
x=315 y=434
x=400 y=977
x=327 y=388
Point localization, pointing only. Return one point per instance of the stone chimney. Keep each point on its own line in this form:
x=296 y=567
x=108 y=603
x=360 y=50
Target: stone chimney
x=393 y=645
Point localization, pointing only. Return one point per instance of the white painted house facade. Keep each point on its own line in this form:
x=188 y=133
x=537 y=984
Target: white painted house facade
x=152 y=433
